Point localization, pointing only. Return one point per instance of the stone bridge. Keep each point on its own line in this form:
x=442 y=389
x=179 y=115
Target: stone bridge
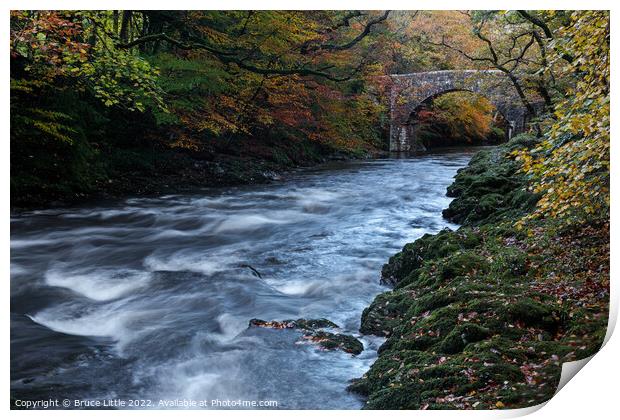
x=410 y=91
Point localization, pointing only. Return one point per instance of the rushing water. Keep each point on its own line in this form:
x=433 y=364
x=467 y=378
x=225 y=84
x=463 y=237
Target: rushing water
x=149 y=298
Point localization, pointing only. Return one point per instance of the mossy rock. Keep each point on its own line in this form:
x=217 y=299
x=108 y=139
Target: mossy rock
x=420 y=343
x=301 y=323
x=461 y=336
x=460 y=264
x=359 y=386
x=430 y=301
x=490 y=188
x=395 y=398
x=522 y=141
x=313 y=324
x=533 y=313
x=385 y=312
x=427 y=248
x=332 y=341
x=313 y=330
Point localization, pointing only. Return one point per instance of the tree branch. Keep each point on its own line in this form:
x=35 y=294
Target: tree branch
x=542 y=25
x=358 y=38
x=228 y=57
x=538 y=22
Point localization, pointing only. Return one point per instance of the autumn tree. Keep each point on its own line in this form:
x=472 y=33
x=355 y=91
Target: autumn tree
x=517 y=43
x=77 y=77
x=571 y=166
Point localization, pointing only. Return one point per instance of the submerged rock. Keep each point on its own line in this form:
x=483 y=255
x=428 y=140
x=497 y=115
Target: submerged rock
x=313 y=330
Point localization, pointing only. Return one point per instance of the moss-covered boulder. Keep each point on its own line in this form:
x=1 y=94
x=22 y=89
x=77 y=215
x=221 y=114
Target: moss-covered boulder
x=428 y=247
x=534 y=313
x=491 y=188
x=460 y=336
x=302 y=324
x=385 y=312
x=333 y=341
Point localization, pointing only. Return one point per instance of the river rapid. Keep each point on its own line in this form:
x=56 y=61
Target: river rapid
x=150 y=298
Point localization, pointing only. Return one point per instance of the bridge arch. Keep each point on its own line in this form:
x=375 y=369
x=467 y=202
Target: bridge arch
x=409 y=91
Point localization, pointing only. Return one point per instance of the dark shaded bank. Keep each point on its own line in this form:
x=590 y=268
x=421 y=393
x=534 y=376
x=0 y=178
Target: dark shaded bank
x=483 y=317
x=162 y=163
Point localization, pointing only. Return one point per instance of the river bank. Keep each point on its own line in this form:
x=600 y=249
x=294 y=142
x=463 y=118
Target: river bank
x=161 y=165
x=483 y=317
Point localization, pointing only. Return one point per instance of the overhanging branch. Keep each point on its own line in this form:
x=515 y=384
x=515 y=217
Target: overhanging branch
x=228 y=57
x=358 y=38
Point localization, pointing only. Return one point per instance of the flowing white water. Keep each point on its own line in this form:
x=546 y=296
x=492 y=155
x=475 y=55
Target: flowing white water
x=150 y=298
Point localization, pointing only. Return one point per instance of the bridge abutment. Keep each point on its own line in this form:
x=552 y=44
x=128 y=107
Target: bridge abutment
x=405 y=139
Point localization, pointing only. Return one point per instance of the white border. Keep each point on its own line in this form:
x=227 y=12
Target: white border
x=593 y=394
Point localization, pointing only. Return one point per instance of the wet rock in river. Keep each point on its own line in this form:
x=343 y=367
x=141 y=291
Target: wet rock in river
x=313 y=330
x=332 y=341
x=302 y=324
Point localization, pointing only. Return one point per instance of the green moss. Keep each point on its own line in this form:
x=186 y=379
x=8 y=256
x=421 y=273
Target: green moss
x=533 y=313
x=460 y=264
x=331 y=341
x=313 y=324
x=430 y=301
x=462 y=335
x=385 y=312
x=427 y=248
x=400 y=398
x=522 y=141
x=490 y=189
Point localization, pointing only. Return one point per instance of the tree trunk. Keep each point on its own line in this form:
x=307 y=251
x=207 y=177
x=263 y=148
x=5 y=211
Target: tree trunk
x=115 y=22
x=125 y=25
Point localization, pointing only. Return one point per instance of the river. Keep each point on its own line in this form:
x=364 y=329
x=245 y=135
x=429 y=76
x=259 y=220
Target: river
x=150 y=298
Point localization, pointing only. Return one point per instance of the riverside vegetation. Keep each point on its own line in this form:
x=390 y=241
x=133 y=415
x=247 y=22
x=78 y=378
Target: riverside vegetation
x=484 y=316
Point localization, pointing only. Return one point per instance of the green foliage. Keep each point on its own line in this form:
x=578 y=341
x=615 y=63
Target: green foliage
x=64 y=93
x=190 y=86
x=51 y=143
x=51 y=42
x=121 y=79
x=31 y=122
x=218 y=76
